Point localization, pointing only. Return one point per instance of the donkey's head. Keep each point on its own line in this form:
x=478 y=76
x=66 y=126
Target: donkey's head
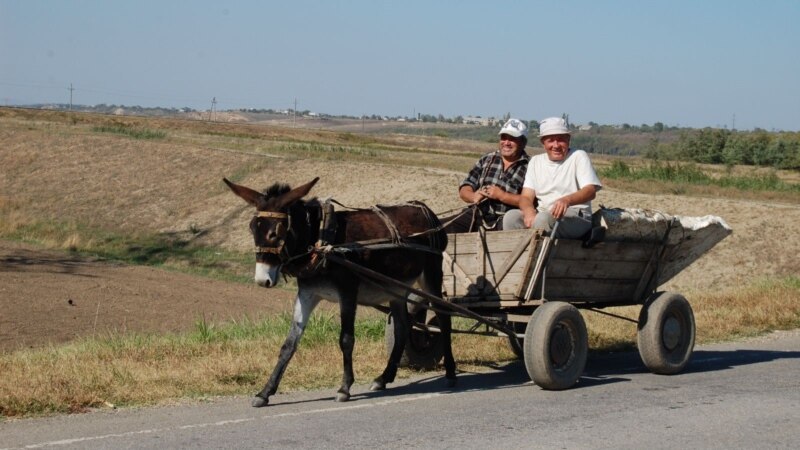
x=272 y=226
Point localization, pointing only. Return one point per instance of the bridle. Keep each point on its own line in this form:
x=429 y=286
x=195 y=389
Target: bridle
x=279 y=249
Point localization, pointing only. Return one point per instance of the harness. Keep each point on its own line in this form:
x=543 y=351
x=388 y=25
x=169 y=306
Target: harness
x=282 y=242
x=327 y=235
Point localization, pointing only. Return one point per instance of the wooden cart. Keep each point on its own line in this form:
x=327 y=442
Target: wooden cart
x=529 y=287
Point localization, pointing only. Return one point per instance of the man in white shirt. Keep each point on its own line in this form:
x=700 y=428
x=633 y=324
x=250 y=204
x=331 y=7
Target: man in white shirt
x=563 y=180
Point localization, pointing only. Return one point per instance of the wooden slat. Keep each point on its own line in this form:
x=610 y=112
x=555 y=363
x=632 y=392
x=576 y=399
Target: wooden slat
x=451 y=267
x=481 y=258
x=511 y=260
x=497 y=241
x=647 y=275
x=539 y=267
x=604 y=251
x=560 y=268
x=570 y=289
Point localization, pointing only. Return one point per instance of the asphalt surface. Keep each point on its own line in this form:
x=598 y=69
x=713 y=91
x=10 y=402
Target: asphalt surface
x=735 y=395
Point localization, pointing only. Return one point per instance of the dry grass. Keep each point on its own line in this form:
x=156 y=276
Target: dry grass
x=759 y=308
x=144 y=370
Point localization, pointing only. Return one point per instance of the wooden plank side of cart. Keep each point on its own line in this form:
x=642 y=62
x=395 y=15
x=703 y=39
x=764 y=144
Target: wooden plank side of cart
x=495 y=269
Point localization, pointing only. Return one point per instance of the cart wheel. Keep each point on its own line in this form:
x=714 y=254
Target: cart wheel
x=666 y=333
x=516 y=343
x=423 y=350
x=556 y=346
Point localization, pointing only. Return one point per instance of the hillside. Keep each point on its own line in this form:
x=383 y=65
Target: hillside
x=79 y=172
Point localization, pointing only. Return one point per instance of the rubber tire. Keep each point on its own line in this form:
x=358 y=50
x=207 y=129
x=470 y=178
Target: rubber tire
x=423 y=350
x=666 y=333
x=556 y=346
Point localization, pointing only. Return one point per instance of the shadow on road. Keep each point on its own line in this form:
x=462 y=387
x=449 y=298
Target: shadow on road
x=601 y=368
x=605 y=368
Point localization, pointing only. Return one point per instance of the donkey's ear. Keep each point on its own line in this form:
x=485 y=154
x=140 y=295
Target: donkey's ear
x=296 y=193
x=247 y=194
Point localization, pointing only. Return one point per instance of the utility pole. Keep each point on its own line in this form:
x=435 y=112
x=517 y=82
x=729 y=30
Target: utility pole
x=733 y=123
x=294 y=114
x=70 y=96
x=213 y=109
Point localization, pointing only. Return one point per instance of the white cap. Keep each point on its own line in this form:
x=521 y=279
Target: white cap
x=553 y=125
x=514 y=127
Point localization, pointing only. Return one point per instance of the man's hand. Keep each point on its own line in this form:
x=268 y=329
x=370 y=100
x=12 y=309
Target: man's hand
x=584 y=195
x=470 y=196
x=528 y=216
x=493 y=192
x=559 y=207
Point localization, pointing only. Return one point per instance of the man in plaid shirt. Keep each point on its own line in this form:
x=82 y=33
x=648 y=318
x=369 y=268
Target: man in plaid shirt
x=495 y=182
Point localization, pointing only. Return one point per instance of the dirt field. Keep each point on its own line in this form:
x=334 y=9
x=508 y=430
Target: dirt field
x=62 y=172
x=52 y=297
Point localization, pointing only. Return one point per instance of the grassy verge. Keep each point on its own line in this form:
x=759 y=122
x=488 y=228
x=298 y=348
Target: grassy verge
x=765 y=305
x=234 y=358
x=690 y=179
x=136 y=133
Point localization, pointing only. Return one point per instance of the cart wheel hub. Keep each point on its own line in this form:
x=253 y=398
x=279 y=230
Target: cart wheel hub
x=672 y=333
x=561 y=346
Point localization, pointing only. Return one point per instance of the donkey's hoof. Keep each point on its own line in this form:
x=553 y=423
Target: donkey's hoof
x=450 y=382
x=377 y=385
x=342 y=396
x=259 y=402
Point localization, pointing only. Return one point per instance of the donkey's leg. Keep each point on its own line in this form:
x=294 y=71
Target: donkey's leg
x=303 y=306
x=445 y=324
x=400 y=324
x=347 y=312
x=433 y=277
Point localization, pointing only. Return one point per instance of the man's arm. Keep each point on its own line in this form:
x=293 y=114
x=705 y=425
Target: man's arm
x=468 y=194
x=526 y=199
x=584 y=195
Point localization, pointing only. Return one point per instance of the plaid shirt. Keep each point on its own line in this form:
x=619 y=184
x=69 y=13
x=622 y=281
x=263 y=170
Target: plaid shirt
x=489 y=170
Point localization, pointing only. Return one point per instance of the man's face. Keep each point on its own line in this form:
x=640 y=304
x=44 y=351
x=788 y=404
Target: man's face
x=510 y=146
x=556 y=146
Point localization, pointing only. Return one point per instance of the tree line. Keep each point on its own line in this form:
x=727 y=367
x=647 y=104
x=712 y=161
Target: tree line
x=780 y=150
x=758 y=147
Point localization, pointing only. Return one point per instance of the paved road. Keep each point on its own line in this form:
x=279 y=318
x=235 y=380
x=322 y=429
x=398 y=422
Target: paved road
x=735 y=395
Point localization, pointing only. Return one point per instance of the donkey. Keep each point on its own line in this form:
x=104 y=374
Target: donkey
x=285 y=227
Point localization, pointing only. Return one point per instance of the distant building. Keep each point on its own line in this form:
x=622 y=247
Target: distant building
x=478 y=120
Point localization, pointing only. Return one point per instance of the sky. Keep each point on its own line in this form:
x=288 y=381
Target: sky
x=701 y=63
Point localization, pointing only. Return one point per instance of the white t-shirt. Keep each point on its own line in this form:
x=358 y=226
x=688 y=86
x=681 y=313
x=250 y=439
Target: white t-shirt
x=552 y=180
